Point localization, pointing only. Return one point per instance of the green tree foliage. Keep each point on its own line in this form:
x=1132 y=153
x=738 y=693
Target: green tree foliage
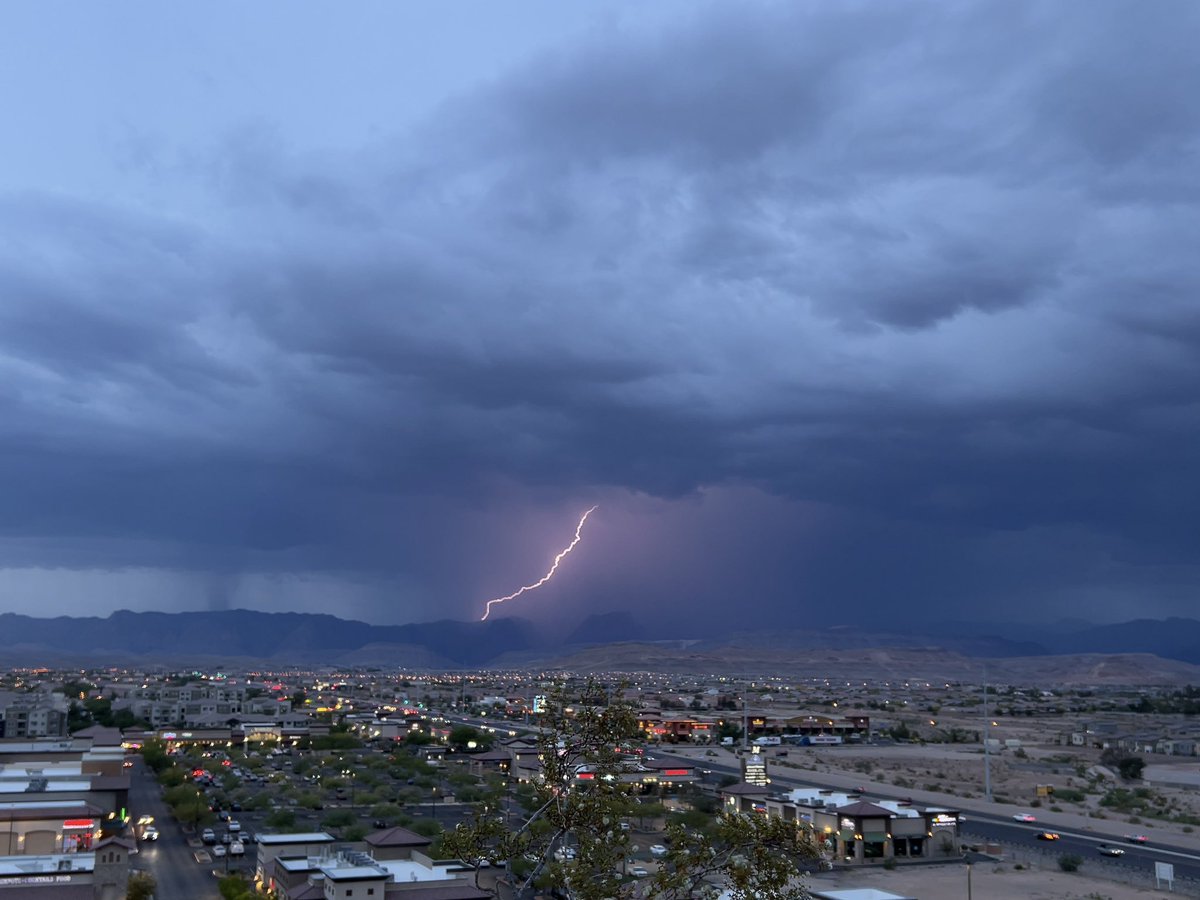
x=755 y=856
x=141 y=886
x=466 y=737
x=1070 y=862
x=281 y=818
x=336 y=740
x=340 y=818
x=1131 y=767
x=154 y=755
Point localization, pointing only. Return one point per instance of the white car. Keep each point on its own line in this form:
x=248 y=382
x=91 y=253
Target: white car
x=218 y=851
x=639 y=872
x=234 y=825
x=658 y=850
x=237 y=848
x=149 y=833
x=1025 y=817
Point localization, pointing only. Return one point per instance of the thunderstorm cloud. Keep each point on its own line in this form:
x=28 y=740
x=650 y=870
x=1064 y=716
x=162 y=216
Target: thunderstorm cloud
x=842 y=312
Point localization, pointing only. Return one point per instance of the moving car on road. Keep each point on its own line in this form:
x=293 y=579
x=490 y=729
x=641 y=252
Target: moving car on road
x=1047 y=836
x=1105 y=850
x=1025 y=817
x=1136 y=838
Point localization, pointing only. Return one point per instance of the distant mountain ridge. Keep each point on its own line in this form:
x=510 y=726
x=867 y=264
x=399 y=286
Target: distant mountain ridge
x=286 y=637
x=247 y=633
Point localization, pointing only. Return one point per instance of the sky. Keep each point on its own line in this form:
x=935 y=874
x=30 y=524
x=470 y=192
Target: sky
x=839 y=312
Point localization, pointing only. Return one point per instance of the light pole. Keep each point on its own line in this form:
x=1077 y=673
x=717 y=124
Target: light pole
x=433 y=803
x=987 y=745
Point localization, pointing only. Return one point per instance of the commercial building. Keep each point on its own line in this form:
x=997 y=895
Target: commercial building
x=394 y=870
x=102 y=874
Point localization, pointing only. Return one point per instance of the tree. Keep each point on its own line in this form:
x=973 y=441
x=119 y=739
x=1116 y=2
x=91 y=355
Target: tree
x=281 y=818
x=580 y=736
x=141 y=886
x=1128 y=767
x=1131 y=767
x=466 y=737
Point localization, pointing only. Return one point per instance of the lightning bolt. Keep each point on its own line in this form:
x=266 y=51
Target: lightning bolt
x=553 y=568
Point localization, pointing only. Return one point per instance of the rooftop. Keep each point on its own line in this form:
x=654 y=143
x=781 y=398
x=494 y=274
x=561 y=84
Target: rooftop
x=302 y=837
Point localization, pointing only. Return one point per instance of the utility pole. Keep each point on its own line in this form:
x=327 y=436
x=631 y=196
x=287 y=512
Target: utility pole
x=987 y=745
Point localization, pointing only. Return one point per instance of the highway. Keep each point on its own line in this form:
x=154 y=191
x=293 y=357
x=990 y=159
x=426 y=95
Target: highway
x=975 y=826
x=1137 y=857
x=1004 y=829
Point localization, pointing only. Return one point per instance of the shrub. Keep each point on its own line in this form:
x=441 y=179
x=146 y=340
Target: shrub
x=1070 y=862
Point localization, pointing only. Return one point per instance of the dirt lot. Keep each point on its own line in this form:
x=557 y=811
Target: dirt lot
x=988 y=882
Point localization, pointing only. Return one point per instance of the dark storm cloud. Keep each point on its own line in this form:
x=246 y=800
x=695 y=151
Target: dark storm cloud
x=925 y=269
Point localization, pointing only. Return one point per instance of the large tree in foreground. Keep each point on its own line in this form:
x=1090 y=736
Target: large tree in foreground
x=572 y=838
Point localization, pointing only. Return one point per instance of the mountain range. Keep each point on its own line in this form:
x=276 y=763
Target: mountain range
x=303 y=638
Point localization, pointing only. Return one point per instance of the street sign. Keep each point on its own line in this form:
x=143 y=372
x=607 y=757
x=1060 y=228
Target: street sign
x=1164 y=872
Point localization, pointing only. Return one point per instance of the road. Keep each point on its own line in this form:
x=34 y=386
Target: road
x=1137 y=857
x=1003 y=828
x=169 y=859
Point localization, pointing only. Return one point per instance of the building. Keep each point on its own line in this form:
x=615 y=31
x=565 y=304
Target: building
x=33 y=715
x=274 y=846
x=102 y=874
x=349 y=874
x=48 y=827
x=853 y=830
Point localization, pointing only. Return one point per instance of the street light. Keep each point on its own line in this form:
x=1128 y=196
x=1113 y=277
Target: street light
x=433 y=803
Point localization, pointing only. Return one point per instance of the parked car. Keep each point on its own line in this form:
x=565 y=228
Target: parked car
x=218 y=851
x=234 y=825
x=658 y=850
x=208 y=836
x=226 y=838
x=639 y=872
x=237 y=848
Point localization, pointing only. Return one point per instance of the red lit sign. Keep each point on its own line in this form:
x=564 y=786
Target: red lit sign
x=677 y=771
x=586 y=776
x=77 y=823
